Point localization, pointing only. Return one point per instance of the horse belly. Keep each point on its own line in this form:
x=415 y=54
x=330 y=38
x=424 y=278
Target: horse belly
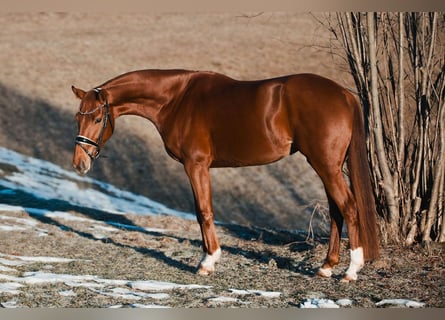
x=235 y=148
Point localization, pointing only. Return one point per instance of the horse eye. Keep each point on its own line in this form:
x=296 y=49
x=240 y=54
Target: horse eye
x=97 y=120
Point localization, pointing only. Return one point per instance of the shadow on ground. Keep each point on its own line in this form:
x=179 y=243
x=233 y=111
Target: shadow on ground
x=271 y=237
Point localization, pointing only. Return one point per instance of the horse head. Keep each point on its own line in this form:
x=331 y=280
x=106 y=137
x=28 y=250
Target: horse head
x=95 y=127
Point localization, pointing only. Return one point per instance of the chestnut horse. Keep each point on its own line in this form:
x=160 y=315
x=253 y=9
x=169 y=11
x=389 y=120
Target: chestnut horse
x=209 y=120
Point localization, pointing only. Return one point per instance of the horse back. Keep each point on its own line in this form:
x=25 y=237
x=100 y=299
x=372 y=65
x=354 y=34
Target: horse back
x=240 y=123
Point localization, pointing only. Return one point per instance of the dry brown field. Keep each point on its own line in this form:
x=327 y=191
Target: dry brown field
x=42 y=55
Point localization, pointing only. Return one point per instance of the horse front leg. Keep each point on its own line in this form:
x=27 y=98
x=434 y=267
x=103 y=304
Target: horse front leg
x=200 y=181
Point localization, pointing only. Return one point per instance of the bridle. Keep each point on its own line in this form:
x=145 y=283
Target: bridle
x=81 y=141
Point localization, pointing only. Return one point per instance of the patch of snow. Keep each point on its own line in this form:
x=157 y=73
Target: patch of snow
x=10 y=304
x=10 y=287
x=37 y=259
x=66 y=216
x=42 y=232
x=138 y=305
x=84 y=284
x=401 y=302
x=44 y=277
x=7 y=269
x=57 y=214
x=118 y=293
x=156 y=296
x=151 y=285
x=111 y=282
x=223 y=299
x=8 y=262
x=239 y=292
x=46 y=180
x=124 y=293
x=99 y=285
x=27 y=222
x=99 y=236
x=344 y=302
x=67 y=293
x=266 y=294
x=318 y=303
x=11 y=228
x=9 y=278
x=7 y=207
x=148 y=306
x=18 y=224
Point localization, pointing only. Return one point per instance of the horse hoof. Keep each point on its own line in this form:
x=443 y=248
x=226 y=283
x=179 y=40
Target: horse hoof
x=202 y=271
x=207 y=265
x=324 y=272
x=348 y=278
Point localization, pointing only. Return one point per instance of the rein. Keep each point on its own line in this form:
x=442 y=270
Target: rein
x=81 y=141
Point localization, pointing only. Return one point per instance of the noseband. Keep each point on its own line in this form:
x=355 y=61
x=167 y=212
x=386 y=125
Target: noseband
x=81 y=141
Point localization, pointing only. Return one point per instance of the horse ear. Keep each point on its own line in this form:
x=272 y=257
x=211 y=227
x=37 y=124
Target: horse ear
x=102 y=96
x=79 y=93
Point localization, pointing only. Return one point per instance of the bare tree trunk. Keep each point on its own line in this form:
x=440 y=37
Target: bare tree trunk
x=401 y=118
x=401 y=131
x=432 y=209
x=431 y=213
x=397 y=61
x=441 y=201
x=387 y=182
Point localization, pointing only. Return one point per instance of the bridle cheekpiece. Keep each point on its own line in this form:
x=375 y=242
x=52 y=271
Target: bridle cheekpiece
x=81 y=141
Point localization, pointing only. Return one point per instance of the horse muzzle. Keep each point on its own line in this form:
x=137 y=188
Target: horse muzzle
x=85 y=147
x=82 y=166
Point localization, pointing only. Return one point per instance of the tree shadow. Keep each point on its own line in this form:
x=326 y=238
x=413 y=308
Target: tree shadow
x=296 y=242
x=158 y=255
x=36 y=208
x=30 y=203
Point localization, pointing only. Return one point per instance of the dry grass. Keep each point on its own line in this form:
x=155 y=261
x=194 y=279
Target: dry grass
x=42 y=55
x=253 y=259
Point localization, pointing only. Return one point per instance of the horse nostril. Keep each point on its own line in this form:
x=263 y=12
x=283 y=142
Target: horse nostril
x=82 y=167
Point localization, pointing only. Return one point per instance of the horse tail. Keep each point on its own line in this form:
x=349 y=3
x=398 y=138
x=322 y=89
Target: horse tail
x=360 y=178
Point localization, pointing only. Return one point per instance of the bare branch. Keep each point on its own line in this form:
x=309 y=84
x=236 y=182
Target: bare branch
x=387 y=183
x=397 y=61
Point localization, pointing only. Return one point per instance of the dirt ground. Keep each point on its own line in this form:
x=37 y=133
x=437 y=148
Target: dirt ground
x=253 y=259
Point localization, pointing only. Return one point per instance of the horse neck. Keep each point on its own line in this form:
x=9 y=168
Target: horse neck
x=145 y=93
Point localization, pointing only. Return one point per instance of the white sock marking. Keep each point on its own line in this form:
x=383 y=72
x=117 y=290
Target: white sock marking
x=209 y=260
x=357 y=262
x=325 y=272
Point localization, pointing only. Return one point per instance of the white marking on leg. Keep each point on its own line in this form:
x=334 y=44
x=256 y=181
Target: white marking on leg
x=357 y=262
x=325 y=272
x=208 y=261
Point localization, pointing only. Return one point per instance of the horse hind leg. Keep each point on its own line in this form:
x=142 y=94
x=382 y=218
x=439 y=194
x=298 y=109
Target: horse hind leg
x=340 y=195
x=333 y=255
